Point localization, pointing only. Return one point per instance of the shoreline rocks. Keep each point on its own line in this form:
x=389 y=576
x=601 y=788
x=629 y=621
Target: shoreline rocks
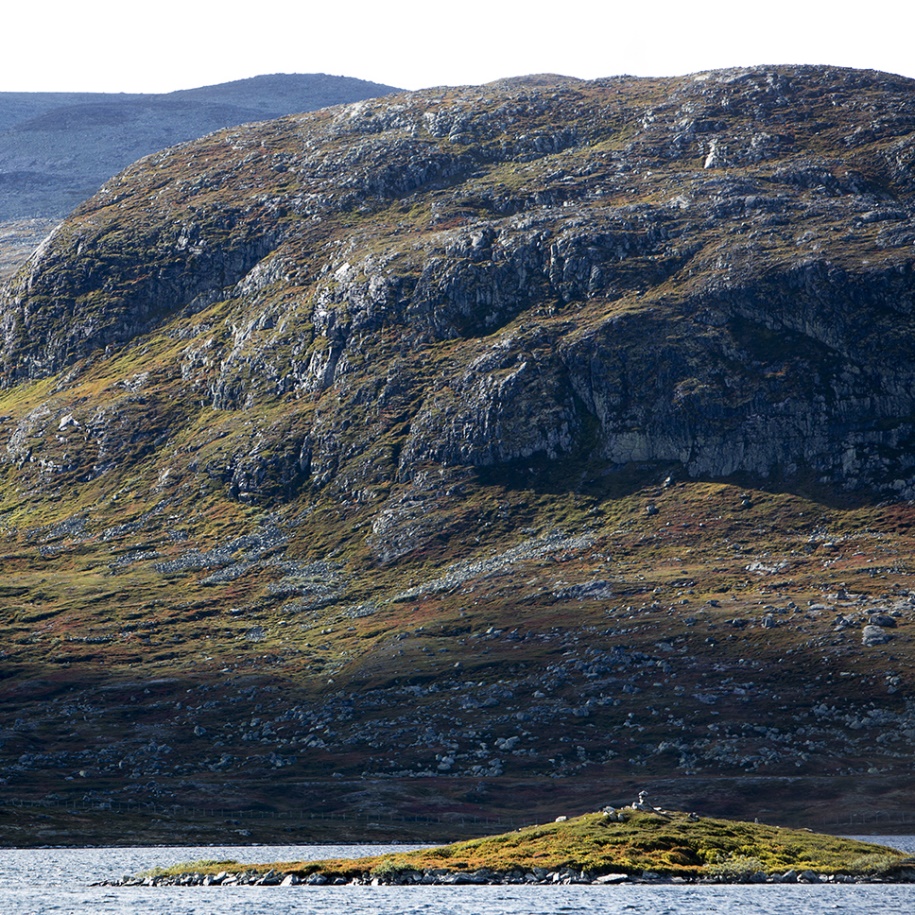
x=486 y=878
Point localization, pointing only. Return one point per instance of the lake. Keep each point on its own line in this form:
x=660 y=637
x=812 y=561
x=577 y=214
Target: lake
x=56 y=880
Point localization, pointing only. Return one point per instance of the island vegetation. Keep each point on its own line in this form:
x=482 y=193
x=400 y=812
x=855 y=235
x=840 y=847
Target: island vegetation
x=610 y=846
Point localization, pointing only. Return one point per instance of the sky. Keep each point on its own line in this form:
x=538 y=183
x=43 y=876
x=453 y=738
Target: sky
x=113 y=46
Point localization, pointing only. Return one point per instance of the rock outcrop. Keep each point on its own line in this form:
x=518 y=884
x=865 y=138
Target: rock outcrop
x=714 y=272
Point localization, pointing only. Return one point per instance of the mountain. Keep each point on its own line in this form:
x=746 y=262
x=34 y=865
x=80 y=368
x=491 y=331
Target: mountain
x=461 y=451
x=57 y=148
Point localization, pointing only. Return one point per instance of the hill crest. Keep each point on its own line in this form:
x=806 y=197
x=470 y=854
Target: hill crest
x=58 y=148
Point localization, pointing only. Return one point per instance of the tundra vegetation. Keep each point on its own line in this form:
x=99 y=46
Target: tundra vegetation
x=602 y=847
x=447 y=454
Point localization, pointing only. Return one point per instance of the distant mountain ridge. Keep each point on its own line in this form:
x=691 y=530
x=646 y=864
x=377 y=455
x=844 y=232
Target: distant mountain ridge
x=58 y=148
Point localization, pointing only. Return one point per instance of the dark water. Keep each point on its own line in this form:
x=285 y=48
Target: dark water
x=45 y=881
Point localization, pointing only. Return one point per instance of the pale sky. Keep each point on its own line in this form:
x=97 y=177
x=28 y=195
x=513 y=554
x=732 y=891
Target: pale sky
x=160 y=46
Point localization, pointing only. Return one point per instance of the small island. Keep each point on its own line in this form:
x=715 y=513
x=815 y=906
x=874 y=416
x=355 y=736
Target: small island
x=638 y=843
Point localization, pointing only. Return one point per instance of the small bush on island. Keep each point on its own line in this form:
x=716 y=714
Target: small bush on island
x=737 y=869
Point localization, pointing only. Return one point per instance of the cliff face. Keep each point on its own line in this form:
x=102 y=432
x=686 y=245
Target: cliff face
x=714 y=272
x=542 y=428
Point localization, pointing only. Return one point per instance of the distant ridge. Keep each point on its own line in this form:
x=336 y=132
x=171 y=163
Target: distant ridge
x=58 y=148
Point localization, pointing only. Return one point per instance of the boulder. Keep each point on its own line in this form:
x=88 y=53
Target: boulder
x=875 y=635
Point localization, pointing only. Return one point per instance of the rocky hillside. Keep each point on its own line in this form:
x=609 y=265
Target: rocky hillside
x=57 y=148
x=440 y=444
